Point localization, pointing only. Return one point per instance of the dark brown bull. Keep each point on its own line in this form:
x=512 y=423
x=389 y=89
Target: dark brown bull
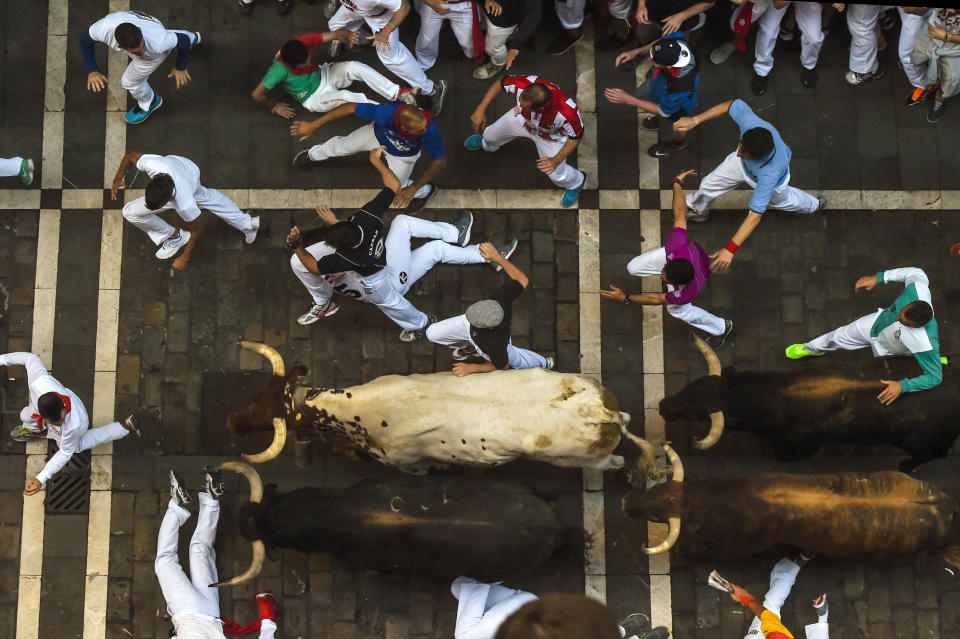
x=845 y=515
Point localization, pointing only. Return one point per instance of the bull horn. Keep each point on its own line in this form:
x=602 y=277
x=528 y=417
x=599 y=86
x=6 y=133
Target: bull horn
x=248 y=471
x=279 y=441
x=716 y=430
x=713 y=362
x=256 y=564
x=259 y=551
x=276 y=361
x=674 y=522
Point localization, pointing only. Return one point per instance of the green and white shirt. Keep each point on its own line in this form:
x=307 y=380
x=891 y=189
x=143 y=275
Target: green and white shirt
x=890 y=337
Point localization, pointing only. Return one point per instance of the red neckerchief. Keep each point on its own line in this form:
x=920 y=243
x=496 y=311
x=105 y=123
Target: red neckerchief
x=39 y=418
x=231 y=627
x=400 y=130
x=675 y=72
x=548 y=113
x=307 y=70
x=741 y=26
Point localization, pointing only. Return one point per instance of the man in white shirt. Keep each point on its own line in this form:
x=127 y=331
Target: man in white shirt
x=148 y=43
x=55 y=412
x=193 y=605
x=175 y=184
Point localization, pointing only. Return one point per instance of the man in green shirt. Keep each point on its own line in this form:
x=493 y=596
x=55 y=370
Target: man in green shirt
x=905 y=328
x=320 y=88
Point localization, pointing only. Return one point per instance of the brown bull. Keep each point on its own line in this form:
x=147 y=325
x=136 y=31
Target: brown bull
x=846 y=515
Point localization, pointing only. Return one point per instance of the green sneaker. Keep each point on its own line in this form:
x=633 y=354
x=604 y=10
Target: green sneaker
x=26 y=171
x=944 y=361
x=797 y=351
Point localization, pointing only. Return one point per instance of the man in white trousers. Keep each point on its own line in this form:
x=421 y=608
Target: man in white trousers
x=544 y=114
x=907 y=327
x=408 y=267
x=464 y=20
x=685 y=268
x=17 y=166
x=361 y=246
x=483 y=608
x=510 y=25
x=767 y=624
x=761 y=161
x=148 y=43
x=484 y=330
x=383 y=17
x=402 y=130
x=912 y=20
x=864 y=26
x=194 y=606
x=175 y=184
x=55 y=412
x=320 y=88
x=809 y=15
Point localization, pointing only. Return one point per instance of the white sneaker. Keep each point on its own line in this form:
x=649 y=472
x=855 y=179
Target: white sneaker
x=172 y=245
x=317 y=311
x=251 y=235
x=723 y=52
x=550 y=363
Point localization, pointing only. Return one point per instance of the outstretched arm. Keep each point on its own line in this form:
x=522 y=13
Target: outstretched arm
x=723 y=257
x=479 y=116
x=679 y=202
x=130 y=157
x=306 y=129
x=390 y=179
x=685 y=124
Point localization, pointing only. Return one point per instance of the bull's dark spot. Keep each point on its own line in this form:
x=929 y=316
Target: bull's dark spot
x=356 y=418
x=483 y=439
x=383 y=424
x=349 y=395
x=453 y=456
x=463 y=441
x=442 y=442
x=483 y=447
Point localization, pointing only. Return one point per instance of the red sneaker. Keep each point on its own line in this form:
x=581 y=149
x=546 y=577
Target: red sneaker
x=408 y=95
x=268 y=606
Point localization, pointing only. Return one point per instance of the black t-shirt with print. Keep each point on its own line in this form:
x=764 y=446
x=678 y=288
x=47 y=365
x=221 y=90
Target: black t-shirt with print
x=369 y=256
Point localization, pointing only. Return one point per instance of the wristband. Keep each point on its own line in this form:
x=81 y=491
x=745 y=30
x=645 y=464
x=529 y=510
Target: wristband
x=388 y=28
x=391 y=25
x=732 y=246
x=746 y=599
x=677 y=181
x=626 y=300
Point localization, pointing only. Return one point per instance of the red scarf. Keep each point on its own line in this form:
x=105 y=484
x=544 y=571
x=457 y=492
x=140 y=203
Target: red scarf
x=231 y=627
x=741 y=26
x=39 y=418
x=479 y=44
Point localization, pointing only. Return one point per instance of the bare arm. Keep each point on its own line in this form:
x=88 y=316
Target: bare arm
x=679 y=203
x=489 y=251
x=390 y=180
x=130 y=157
x=306 y=129
x=479 y=116
x=723 y=257
x=616 y=294
x=685 y=124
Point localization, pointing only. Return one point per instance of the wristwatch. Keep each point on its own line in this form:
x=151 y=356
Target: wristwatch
x=626 y=300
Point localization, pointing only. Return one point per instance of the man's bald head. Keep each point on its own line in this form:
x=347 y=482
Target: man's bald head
x=535 y=97
x=412 y=119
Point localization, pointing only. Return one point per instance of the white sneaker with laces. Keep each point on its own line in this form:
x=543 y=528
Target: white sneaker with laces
x=250 y=236
x=316 y=311
x=172 y=245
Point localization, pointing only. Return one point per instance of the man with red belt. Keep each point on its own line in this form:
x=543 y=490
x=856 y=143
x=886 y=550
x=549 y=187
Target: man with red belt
x=464 y=17
x=544 y=114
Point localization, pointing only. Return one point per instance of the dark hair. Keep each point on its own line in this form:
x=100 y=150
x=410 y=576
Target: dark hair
x=560 y=616
x=128 y=35
x=918 y=313
x=344 y=235
x=49 y=405
x=294 y=52
x=679 y=271
x=757 y=142
x=537 y=95
x=159 y=191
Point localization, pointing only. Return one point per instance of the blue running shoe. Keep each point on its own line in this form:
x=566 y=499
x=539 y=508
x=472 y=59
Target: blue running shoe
x=474 y=142
x=136 y=115
x=570 y=196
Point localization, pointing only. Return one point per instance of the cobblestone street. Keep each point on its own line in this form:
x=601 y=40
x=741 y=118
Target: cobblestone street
x=81 y=288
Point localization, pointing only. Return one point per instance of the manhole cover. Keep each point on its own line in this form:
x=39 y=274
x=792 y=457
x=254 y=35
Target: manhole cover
x=68 y=492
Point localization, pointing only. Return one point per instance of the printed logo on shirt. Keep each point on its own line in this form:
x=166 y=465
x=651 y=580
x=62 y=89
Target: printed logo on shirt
x=349 y=4
x=896 y=333
x=398 y=142
x=145 y=16
x=334 y=278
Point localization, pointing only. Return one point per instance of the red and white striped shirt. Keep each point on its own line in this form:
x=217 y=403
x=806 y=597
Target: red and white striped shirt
x=557 y=121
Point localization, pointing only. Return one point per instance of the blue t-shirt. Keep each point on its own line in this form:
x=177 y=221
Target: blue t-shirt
x=389 y=135
x=769 y=172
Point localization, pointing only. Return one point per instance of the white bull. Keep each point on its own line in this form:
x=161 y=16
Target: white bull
x=423 y=422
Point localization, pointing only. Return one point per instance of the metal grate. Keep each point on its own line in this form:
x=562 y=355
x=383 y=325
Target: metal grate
x=68 y=492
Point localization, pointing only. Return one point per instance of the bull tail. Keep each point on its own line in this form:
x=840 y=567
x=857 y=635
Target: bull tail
x=951 y=555
x=648 y=453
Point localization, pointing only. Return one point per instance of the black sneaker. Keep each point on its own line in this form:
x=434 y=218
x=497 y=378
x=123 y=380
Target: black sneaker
x=464 y=224
x=661 y=150
x=612 y=42
x=660 y=632
x=635 y=624
x=564 y=42
x=282 y=7
x=416 y=204
x=130 y=423
x=803 y=558
x=246 y=8
x=178 y=493
x=717 y=342
x=808 y=77
x=439 y=92
x=651 y=123
x=505 y=252
x=212 y=483
x=935 y=112
x=758 y=84
x=302 y=159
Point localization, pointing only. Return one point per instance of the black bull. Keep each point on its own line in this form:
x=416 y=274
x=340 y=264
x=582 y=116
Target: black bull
x=844 y=515
x=445 y=527
x=797 y=411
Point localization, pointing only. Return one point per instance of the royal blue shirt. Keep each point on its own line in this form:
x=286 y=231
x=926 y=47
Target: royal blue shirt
x=769 y=172
x=388 y=131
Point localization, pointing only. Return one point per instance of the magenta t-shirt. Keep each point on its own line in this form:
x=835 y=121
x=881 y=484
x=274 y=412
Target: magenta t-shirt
x=678 y=246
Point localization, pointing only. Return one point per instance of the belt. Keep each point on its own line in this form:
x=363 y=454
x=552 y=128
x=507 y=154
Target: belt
x=375 y=15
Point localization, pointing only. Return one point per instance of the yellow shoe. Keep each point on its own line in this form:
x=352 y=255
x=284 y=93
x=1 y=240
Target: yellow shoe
x=797 y=351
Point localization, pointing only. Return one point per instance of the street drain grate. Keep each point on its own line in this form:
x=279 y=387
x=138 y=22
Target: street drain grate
x=68 y=492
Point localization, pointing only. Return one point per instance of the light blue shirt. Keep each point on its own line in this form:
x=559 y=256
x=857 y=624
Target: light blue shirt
x=771 y=171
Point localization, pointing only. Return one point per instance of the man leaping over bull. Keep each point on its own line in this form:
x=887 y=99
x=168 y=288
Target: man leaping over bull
x=905 y=328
